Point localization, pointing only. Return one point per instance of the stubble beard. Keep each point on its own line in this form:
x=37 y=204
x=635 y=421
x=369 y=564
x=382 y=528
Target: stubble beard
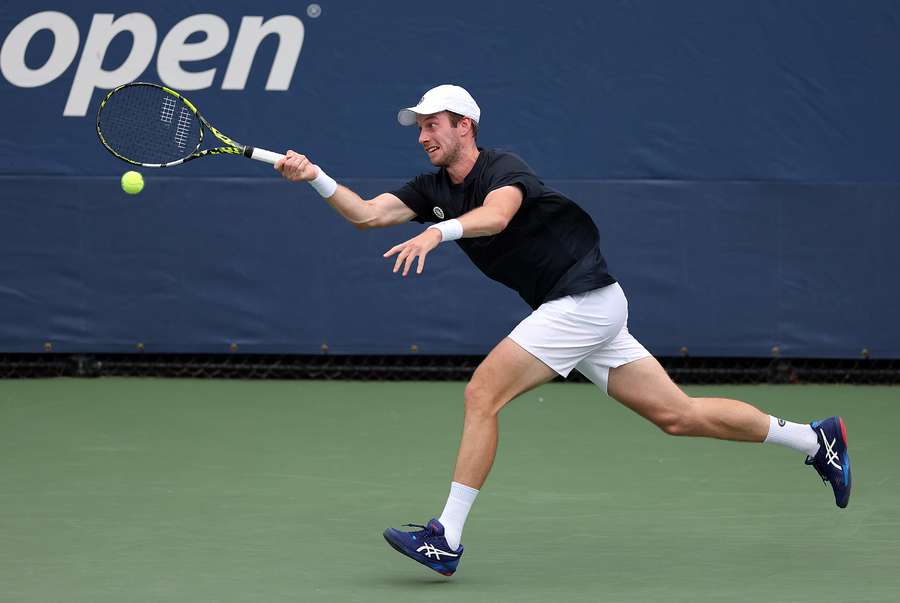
x=451 y=156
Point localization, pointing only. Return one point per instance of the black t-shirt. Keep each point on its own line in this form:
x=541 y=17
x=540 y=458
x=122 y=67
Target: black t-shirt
x=551 y=247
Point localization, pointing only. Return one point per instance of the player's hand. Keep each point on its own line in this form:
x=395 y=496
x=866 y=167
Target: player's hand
x=296 y=167
x=416 y=247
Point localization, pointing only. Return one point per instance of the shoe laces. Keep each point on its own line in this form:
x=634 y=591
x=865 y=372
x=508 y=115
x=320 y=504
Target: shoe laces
x=429 y=531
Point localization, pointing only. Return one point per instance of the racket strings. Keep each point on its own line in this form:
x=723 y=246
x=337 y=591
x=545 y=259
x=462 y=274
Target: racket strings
x=146 y=124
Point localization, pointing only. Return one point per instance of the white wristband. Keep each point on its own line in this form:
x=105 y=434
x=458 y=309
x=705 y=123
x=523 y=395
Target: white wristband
x=323 y=183
x=450 y=229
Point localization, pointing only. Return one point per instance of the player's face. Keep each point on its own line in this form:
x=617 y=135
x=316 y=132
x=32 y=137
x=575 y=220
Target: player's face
x=439 y=138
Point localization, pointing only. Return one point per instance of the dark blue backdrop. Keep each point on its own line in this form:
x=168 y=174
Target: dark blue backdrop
x=741 y=161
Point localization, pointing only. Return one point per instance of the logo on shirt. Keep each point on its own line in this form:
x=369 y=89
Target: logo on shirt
x=439 y=212
x=781 y=422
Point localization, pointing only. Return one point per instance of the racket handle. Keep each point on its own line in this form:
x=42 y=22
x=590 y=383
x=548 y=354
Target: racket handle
x=262 y=155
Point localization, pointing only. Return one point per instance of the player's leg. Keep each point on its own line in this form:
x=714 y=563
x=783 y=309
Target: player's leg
x=551 y=341
x=626 y=371
x=507 y=372
x=645 y=387
x=630 y=375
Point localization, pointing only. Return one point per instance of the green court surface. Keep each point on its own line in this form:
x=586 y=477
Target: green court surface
x=117 y=490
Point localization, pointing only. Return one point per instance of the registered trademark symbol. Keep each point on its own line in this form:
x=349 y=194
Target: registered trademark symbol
x=314 y=11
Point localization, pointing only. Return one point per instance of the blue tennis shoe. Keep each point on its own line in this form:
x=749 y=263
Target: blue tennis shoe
x=832 y=461
x=427 y=546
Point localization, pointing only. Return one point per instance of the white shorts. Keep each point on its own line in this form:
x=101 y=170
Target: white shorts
x=587 y=332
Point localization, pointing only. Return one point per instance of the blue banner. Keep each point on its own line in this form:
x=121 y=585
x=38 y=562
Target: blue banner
x=740 y=159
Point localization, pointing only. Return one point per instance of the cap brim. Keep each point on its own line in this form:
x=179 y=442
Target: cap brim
x=407 y=117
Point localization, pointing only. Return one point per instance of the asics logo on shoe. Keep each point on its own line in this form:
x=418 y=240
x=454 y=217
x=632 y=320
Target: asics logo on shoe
x=431 y=551
x=830 y=454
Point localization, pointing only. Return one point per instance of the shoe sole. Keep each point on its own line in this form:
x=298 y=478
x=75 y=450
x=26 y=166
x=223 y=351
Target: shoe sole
x=847 y=454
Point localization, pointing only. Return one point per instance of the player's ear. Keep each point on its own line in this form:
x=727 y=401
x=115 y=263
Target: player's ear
x=469 y=123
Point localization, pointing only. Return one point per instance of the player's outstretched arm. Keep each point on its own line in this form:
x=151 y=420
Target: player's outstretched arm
x=384 y=210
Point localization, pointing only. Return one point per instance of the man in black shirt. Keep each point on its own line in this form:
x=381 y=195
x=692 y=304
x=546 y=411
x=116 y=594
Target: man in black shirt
x=544 y=246
x=550 y=248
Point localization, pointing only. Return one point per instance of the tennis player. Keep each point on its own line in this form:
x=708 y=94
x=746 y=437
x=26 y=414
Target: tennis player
x=541 y=244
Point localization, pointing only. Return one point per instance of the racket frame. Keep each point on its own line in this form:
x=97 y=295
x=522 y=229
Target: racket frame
x=232 y=146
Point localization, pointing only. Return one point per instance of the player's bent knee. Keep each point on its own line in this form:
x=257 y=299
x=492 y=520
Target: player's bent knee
x=673 y=426
x=680 y=422
x=481 y=400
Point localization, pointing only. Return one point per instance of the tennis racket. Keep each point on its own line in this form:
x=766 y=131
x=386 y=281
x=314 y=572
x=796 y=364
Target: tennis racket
x=153 y=126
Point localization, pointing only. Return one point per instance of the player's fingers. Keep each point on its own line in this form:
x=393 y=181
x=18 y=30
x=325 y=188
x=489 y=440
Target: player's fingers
x=297 y=163
x=289 y=168
x=400 y=259
x=409 y=260
x=396 y=248
x=421 y=265
x=393 y=250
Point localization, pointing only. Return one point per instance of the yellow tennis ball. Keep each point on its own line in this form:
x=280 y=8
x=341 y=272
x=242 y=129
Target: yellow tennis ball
x=132 y=182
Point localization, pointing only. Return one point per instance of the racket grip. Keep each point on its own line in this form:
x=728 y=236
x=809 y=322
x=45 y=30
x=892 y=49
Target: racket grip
x=262 y=155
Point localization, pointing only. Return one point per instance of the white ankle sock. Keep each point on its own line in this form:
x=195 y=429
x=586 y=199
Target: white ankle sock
x=798 y=436
x=455 y=512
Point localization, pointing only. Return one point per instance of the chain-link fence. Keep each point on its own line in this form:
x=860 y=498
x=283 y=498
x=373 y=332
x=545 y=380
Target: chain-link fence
x=683 y=369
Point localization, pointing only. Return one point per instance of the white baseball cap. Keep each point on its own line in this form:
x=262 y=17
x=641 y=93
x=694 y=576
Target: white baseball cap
x=445 y=97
